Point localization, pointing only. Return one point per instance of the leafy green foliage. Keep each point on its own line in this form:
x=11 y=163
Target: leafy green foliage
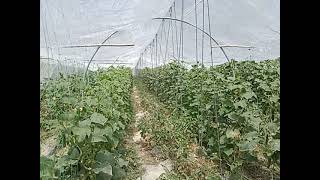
x=46 y=168
x=233 y=108
x=90 y=119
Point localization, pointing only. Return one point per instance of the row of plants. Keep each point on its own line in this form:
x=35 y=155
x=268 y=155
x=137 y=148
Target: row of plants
x=90 y=120
x=166 y=132
x=232 y=110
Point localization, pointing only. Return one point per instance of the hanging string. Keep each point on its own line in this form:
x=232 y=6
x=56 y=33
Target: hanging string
x=149 y=49
x=215 y=99
x=141 y=60
x=175 y=23
x=167 y=38
x=182 y=11
x=146 y=58
x=68 y=36
x=180 y=32
x=209 y=31
x=196 y=18
x=200 y=113
x=149 y=61
x=46 y=40
x=152 y=49
x=152 y=53
x=63 y=17
x=45 y=37
x=156 y=60
x=138 y=65
x=44 y=29
x=172 y=35
x=202 y=32
x=54 y=32
x=220 y=47
x=160 y=39
x=141 y=63
x=48 y=34
x=218 y=126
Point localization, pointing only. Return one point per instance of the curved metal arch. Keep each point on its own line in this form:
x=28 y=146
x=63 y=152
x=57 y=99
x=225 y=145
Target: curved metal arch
x=173 y=19
x=85 y=74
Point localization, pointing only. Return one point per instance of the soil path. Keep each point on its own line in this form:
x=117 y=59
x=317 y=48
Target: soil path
x=152 y=167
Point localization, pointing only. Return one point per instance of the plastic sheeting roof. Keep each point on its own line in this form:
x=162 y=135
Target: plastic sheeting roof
x=81 y=22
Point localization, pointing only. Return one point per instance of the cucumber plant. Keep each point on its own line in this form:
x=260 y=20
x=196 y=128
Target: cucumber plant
x=90 y=120
x=235 y=109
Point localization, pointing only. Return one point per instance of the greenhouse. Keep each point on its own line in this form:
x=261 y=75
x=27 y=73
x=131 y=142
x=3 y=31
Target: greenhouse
x=149 y=89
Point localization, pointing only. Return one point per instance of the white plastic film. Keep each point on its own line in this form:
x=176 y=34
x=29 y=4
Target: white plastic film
x=89 y=22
